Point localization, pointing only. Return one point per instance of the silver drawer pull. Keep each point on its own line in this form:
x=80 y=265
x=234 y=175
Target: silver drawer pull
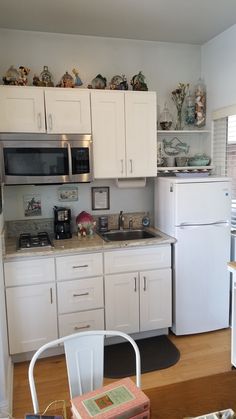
x=82 y=327
x=81 y=295
x=79 y=266
x=51 y=297
x=135 y=284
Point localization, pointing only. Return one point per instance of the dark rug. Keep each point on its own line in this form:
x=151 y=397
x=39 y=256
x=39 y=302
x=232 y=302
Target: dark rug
x=156 y=353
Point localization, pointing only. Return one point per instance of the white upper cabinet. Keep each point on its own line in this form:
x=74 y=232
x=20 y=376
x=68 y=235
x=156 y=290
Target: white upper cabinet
x=67 y=111
x=21 y=109
x=37 y=109
x=124 y=133
x=141 y=144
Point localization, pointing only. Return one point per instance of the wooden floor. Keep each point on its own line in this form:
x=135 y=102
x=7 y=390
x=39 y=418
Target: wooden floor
x=200 y=355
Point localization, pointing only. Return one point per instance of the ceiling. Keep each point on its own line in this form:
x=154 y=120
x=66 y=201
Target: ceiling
x=185 y=21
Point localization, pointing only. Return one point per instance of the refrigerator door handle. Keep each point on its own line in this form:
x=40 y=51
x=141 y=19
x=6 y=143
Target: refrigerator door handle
x=182 y=225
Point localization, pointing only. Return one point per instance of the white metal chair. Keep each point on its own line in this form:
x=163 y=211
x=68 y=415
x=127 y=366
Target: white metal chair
x=84 y=353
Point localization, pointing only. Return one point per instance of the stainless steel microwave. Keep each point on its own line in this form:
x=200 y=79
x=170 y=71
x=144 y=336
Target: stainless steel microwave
x=42 y=159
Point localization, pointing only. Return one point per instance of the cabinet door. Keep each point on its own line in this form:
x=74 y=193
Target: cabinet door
x=155 y=299
x=22 y=109
x=108 y=129
x=68 y=111
x=31 y=315
x=141 y=142
x=122 y=302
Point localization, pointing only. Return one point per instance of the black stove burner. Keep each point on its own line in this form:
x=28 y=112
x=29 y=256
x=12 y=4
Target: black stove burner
x=27 y=241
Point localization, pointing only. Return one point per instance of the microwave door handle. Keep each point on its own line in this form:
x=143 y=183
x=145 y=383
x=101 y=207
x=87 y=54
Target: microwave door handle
x=69 y=160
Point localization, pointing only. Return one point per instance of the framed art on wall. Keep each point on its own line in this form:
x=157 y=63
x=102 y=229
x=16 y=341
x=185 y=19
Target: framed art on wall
x=100 y=198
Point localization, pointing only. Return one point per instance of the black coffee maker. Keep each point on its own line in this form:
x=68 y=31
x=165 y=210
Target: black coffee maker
x=62 y=219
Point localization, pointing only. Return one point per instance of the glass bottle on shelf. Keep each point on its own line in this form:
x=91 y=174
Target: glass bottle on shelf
x=166 y=119
x=190 y=110
x=200 y=104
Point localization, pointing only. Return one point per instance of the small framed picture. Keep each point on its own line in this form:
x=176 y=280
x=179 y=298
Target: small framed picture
x=100 y=198
x=32 y=205
x=68 y=193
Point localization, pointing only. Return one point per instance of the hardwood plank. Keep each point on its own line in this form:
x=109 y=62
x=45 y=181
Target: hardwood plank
x=201 y=355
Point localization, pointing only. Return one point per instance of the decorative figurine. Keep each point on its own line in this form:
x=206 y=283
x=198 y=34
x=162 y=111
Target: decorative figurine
x=11 y=76
x=99 y=82
x=23 y=73
x=119 y=83
x=138 y=82
x=78 y=81
x=85 y=223
x=46 y=77
x=16 y=77
x=66 y=81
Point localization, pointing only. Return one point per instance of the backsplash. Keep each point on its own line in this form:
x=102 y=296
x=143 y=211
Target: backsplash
x=16 y=227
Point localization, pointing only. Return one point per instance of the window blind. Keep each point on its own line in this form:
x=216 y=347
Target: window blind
x=231 y=162
x=219 y=154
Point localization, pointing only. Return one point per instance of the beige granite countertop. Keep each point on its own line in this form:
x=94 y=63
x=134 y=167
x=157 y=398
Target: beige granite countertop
x=82 y=244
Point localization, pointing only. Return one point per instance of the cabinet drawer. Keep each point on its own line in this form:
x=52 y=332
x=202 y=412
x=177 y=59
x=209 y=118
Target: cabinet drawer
x=26 y=272
x=138 y=259
x=79 y=266
x=81 y=294
x=81 y=322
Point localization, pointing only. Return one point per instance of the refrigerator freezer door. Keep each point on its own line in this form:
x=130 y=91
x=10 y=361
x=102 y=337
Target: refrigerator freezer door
x=202 y=203
x=201 y=280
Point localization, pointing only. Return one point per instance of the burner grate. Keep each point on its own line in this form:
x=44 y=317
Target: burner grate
x=28 y=241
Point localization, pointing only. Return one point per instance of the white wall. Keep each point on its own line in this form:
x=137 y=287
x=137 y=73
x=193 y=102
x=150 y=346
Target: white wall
x=163 y=64
x=219 y=70
x=129 y=200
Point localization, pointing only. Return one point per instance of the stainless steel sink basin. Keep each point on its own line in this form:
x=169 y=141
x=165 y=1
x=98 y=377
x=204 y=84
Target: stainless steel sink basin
x=118 y=235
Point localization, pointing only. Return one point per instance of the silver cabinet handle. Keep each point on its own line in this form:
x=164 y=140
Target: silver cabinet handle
x=79 y=266
x=39 y=121
x=81 y=295
x=51 y=296
x=69 y=159
x=131 y=166
x=122 y=166
x=135 y=284
x=50 y=121
x=82 y=327
x=144 y=283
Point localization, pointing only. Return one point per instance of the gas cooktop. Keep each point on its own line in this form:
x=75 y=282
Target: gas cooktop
x=28 y=241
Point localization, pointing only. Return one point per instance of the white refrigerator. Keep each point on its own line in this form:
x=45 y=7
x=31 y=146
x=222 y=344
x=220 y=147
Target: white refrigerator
x=196 y=211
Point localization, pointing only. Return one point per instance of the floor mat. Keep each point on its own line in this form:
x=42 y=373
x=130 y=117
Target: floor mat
x=156 y=353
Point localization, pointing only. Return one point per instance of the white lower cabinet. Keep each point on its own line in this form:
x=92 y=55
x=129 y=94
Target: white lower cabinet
x=138 y=301
x=31 y=303
x=31 y=316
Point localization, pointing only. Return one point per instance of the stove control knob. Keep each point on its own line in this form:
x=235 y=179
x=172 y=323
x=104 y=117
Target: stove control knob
x=27 y=245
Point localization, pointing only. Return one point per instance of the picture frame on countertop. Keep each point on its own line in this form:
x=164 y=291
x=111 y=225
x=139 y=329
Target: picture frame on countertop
x=100 y=198
x=67 y=193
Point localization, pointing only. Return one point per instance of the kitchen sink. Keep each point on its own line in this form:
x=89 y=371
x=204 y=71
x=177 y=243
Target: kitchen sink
x=118 y=235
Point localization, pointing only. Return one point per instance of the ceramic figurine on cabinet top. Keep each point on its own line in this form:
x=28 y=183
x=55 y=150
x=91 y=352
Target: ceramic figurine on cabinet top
x=16 y=77
x=23 y=73
x=138 y=82
x=78 y=81
x=119 y=83
x=45 y=78
x=11 y=76
x=99 y=82
x=66 y=81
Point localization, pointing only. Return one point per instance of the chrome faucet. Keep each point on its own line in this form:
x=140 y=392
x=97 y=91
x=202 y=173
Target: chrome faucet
x=121 y=220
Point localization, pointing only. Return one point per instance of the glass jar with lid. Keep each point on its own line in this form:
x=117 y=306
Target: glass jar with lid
x=165 y=119
x=200 y=104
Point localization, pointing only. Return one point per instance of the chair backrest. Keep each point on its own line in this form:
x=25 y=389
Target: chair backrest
x=84 y=360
